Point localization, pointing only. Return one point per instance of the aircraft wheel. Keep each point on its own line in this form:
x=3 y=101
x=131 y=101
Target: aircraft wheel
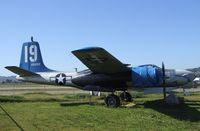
x=112 y=101
x=125 y=96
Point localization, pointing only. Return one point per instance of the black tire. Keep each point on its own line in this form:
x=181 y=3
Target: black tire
x=125 y=96
x=112 y=101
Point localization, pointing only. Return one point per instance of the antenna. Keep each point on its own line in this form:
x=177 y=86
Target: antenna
x=31 y=38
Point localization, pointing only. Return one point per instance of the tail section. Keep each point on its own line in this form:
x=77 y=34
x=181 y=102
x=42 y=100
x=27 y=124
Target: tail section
x=31 y=58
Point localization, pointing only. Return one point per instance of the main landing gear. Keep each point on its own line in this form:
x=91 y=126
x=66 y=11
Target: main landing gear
x=125 y=96
x=114 y=100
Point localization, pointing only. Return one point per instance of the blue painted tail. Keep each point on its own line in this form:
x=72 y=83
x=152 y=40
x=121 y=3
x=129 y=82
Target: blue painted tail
x=31 y=58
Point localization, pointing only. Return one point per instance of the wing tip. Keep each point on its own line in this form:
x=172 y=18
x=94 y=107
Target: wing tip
x=86 y=49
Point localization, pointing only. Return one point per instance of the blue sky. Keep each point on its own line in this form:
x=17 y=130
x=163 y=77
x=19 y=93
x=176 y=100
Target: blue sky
x=134 y=31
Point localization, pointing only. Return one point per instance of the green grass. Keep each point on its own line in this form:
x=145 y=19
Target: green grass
x=44 y=112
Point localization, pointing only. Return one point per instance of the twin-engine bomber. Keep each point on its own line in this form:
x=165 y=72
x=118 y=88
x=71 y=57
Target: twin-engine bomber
x=105 y=73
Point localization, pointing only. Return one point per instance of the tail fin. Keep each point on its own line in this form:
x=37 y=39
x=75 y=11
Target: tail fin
x=31 y=58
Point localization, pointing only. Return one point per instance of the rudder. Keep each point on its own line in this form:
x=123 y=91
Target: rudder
x=31 y=58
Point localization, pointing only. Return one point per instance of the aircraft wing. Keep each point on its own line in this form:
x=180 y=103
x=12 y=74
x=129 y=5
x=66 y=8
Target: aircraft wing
x=20 y=71
x=98 y=60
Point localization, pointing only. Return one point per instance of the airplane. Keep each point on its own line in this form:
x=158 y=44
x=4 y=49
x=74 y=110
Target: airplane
x=105 y=73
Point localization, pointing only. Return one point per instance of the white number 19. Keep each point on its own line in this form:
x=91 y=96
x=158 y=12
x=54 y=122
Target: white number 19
x=32 y=53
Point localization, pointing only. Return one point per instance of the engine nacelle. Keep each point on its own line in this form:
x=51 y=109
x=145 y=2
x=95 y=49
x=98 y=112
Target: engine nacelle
x=146 y=76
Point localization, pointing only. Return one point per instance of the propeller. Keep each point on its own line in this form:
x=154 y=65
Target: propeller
x=164 y=82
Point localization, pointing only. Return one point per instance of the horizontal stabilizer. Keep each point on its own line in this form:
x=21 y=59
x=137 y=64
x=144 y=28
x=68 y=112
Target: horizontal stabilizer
x=20 y=71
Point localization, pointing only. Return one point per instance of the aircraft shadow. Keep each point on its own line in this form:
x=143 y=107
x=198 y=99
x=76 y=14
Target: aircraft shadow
x=186 y=111
x=76 y=103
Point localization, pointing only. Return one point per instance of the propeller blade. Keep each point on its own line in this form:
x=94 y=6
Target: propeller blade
x=163 y=77
x=163 y=69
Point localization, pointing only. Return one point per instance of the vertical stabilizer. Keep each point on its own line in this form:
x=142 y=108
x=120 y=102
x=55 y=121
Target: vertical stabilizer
x=31 y=58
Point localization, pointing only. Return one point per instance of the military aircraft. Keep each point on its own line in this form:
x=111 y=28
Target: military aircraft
x=105 y=74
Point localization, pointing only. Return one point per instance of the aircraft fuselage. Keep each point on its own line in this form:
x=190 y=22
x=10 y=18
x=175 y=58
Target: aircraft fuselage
x=137 y=77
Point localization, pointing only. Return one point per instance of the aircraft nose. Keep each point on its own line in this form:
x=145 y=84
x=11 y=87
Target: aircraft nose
x=190 y=77
x=187 y=74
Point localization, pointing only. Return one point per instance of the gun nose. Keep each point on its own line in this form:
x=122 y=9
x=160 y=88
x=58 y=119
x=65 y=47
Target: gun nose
x=190 y=77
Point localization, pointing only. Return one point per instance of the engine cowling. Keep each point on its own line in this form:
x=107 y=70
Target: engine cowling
x=146 y=76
